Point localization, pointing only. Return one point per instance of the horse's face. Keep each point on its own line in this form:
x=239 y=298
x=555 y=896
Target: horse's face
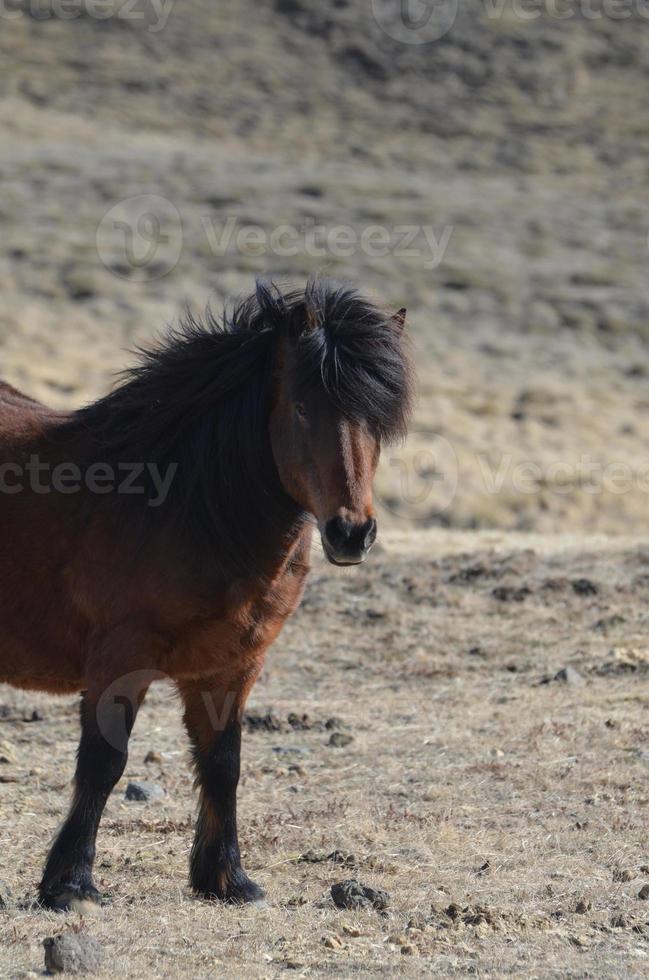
x=326 y=464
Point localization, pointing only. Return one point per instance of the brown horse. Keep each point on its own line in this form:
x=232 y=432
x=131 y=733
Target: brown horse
x=164 y=531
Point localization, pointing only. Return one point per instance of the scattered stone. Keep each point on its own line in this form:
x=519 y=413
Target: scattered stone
x=644 y=893
x=300 y=723
x=607 y=622
x=570 y=676
x=584 y=587
x=622 y=874
x=72 y=952
x=340 y=857
x=256 y=722
x=409 y=949
x=379 y=898
x=625 y=660
x=468 y=574
x=35 y=715
x=352 y=895
x=143 y=792
x=339 y=740
x=290 y=749
x=152 y=757
x=506 y=593
x=6 y=896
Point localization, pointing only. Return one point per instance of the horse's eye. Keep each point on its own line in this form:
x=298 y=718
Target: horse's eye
x=300 y=411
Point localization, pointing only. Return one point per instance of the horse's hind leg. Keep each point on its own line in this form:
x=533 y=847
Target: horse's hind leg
x=106 y=722
x=212 y=718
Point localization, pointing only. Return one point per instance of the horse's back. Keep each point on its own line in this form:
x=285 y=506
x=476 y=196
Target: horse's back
x=21 y=416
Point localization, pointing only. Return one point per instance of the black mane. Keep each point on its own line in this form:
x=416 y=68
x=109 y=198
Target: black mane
x=201 y=399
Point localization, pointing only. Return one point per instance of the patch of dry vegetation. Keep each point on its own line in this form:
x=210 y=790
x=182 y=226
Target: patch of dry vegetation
x=501 y=803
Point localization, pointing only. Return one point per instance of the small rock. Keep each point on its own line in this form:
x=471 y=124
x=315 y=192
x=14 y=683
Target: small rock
x=409 y=949
x=505 y=593
x=340 y=739
x=152 y=757
x=300 y=723
x=268 y=722
x=6 y=896
x=644 y=893
x=584 y=587
x=570 y=676
x=143 y=792
x=583 y=906
x=341 y=857
x=72 y=952
x=351 y=894
x=35 y=715
x=380 y=899
x=290 y=749
x=622 y=874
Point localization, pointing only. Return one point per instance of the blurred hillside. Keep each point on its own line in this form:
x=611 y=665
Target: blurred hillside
x=516 y=149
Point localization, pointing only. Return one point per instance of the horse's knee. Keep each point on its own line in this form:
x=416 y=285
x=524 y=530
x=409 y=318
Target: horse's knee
x=99 y=766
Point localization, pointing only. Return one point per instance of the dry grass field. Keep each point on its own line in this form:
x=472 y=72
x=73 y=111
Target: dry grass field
x=490 y=663
x=502 y=807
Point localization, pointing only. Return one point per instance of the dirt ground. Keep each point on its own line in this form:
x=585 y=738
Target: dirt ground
x=501 y=803
x=490 y=663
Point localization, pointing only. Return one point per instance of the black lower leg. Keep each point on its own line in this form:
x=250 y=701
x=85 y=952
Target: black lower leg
x=67 y=877
x=216 y=870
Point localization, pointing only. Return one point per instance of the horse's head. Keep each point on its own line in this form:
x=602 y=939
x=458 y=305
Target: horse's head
x=342 y=387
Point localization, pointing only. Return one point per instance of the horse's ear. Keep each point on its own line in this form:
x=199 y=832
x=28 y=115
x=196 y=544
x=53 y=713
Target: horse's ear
x=399 y=319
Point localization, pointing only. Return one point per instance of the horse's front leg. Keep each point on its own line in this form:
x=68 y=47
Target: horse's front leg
x=108 y=711
x=213 y=720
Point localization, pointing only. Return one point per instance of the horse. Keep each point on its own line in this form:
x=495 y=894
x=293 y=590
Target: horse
x=164 y=531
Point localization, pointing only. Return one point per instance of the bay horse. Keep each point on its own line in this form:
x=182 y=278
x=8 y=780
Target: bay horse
x=164 y=531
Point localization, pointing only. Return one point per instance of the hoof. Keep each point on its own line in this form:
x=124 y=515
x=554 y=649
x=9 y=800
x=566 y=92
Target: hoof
x=84 y=901
x=239 y=890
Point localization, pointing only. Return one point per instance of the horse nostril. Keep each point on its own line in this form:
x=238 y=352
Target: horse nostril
x=370 y=528
x=338 y=532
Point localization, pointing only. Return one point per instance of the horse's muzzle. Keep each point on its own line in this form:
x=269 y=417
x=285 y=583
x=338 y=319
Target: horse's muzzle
x=345 y=543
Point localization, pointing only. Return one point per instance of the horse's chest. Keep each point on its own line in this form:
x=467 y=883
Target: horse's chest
x=242 y=629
